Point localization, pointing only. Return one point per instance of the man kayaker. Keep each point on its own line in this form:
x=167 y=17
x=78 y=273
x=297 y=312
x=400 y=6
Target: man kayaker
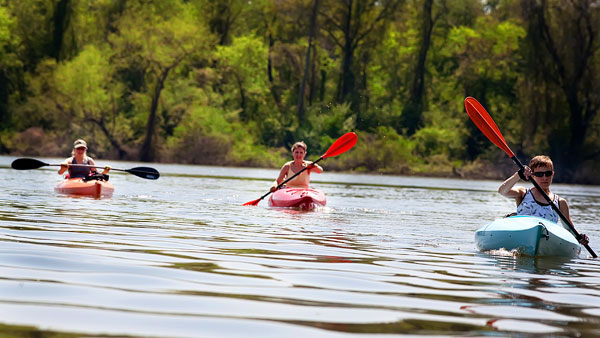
x=79 y=156
x=290 y=168
x=531 y=201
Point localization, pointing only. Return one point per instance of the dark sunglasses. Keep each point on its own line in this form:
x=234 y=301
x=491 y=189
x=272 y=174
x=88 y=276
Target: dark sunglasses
x=543 y=173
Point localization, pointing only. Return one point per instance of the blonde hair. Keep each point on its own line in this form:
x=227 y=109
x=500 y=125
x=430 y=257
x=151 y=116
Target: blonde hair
x=300 y=144
x=541 y=161
x=79 y=143
x=84 y=153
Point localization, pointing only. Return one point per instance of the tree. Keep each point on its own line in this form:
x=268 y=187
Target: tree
x=89 y=94
x=348 y=24
x=570 y=57
x=411 y=117
x=9 y=62
x=161 y=36
x=487 y=68
x=313 y=24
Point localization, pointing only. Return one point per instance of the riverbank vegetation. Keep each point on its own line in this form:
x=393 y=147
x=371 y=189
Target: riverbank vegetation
x=236 y=82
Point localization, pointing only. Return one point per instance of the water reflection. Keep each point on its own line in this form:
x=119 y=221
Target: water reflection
x=175 y=258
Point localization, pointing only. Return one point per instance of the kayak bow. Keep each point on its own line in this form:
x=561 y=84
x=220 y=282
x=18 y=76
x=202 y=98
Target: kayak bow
x=528 y=235
x=303 y=198
x=77 y=186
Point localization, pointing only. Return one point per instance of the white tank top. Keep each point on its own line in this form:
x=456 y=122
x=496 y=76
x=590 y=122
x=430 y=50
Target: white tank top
x=529 y=206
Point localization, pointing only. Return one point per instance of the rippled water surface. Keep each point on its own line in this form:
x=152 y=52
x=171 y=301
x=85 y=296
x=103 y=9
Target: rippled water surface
x=181 y=257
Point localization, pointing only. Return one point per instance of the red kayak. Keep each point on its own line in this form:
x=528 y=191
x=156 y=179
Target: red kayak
x=303 y=198
x=77 y=186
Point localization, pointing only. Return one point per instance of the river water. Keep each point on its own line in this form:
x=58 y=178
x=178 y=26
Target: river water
x=181 y=257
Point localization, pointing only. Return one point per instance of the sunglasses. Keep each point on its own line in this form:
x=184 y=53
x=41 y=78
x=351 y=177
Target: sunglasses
x=543 y=173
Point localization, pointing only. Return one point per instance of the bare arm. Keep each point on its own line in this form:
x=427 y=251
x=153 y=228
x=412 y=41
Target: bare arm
x=64 y=166
x=281 y=177
x=314 y=168
x=91 y=162
x=508 y=189
x=563 y=206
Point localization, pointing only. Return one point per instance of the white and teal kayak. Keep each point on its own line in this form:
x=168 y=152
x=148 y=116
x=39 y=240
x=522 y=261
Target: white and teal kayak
x=530 y=236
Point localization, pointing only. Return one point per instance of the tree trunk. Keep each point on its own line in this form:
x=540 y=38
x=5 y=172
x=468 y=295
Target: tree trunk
x=346 y=83
x=148 y=151
x=412 y=114
x=272 y=85
x=60 y=23
x=113 y=141
x=311 y=34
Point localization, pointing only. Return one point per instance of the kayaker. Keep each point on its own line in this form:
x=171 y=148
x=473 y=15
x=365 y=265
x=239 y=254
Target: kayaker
x=531 y=201
x=79 y=156
x=290 y=168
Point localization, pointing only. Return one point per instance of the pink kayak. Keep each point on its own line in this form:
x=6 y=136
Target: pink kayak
x=303 y=198
x=77 y=186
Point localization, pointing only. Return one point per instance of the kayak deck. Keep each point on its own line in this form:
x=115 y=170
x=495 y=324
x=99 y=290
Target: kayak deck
x=528 y=235
x=303 y=198
x=79 y=187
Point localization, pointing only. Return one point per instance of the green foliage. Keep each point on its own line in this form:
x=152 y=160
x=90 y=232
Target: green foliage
x=384 y=151
x=431 y=141
x=217 y=82
x=205 y=136
x=9 y=42
x=242 y=66
x=86 y=84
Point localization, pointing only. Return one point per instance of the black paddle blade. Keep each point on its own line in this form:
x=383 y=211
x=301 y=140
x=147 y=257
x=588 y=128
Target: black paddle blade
x=144 y=172
x=27 y=163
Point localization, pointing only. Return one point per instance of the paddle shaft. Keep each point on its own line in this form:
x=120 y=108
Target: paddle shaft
x=85 y=165
x=32 y=163
x=291 y=178
x=555 y=208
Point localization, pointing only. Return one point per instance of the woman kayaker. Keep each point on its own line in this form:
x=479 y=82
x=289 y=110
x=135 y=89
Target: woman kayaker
x=79 y=156
x=290 y=168
x=531 y=201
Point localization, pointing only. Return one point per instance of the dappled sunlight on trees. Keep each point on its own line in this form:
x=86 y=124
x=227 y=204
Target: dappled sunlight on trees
x=237 y=82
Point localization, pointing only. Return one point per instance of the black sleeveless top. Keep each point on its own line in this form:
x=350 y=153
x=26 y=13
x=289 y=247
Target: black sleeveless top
x=79 y=172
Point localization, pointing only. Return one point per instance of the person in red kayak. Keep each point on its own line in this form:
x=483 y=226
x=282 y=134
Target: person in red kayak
x=289 y=169
x=531 y=201
x=79 y=156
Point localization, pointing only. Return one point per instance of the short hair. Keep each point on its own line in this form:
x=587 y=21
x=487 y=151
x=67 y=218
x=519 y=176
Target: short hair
x=300 y=144
x=541 y=161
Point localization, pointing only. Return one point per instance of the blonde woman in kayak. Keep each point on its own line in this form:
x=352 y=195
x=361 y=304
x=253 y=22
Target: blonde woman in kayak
x=79 y=156
x=289 y=169
x=531 y=201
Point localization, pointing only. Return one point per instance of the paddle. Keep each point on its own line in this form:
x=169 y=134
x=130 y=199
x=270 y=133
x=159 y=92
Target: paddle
x=341 y=145
x=488 y=127
x=30 y=163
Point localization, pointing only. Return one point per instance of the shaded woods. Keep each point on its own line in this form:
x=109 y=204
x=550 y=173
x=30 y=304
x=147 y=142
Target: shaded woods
x=236 y=82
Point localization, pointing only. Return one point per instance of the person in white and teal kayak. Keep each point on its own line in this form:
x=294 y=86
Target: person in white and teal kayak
x=531 y=201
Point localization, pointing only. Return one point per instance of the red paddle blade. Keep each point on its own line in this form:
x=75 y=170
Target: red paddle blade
x=341 y=145
x=486 y=124
x=255 y=202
